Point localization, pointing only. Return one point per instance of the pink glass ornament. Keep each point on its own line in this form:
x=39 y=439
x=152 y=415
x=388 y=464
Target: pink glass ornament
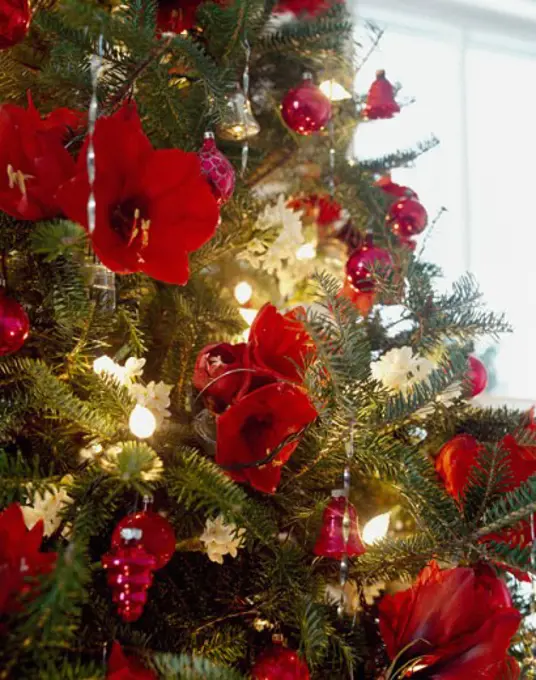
x=217 y=169
x=130 y=574
x=365 y=264
x=477 y=376
x=331 y=541
x=407 y=217
x=14 y=22
x=380 y=99
x=305 y=108
x=158 y=537
x=14 y=325
x=280 y=663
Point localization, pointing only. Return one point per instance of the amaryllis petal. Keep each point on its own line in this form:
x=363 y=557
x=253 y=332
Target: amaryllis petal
x=256 y=425
x=153 y=207
x=458 y=623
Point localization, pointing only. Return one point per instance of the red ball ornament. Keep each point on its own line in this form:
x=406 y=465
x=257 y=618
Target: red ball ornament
x=14 y=22
x=217 y=169
x=158 y=537
x=331 y=541
x=365 y=264
x=380 y=99
x=280 y=663
x=14 y=325
x=130 y=574
x=306 y=109
x=407 y=217
x=477 y=376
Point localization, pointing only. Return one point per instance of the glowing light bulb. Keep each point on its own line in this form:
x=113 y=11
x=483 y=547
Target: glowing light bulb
x=104 y=364
x=248 y=315
x=243 y=292
x=142 y=422
x=334 y=90
x=306 y=252
x=376 y=528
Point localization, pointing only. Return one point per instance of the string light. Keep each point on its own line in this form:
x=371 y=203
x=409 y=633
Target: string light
x=334 y=91
x=104 y=364
x=142 y=422
x=376 y=528
x=243 y=292
x=306 y=252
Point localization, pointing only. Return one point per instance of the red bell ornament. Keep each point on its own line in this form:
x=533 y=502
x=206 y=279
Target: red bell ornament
x=14 y=325
x=393 y=189
x=380 y=99
x=365 y=264
x=477 y=376
x=339 y=534
x=280 y=663
x=14 y=22
x=130 y=574
x=407 y=217
x=157 y=538
x=306 y=109
x=217 y=169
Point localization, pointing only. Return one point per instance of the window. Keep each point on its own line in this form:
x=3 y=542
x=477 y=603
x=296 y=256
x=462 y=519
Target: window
x=472 y=73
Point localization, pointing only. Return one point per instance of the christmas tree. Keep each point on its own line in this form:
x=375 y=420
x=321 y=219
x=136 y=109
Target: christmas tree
x=237 y=435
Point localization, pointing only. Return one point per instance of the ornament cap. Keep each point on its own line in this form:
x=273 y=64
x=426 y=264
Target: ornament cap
x=380 y=73
x=338 y=493
x=208 y=135
x=307 y=75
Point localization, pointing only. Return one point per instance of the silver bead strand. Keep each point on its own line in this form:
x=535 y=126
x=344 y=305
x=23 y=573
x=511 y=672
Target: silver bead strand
x=102 y=280
x=245 y=88
x=346 y=522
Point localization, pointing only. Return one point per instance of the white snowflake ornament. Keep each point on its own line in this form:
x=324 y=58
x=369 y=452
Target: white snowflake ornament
x=399 y=369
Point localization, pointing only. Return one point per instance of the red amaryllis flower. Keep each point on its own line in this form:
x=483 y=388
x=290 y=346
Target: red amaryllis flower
x=279 y=344
x=217 y=372
x=20 y=558
x=459 y=457
x=456 y=624
x=34 y=164
x=363 y=301
x=175 y=16
x=255 y=426
x=122 y=667
x=153 y=206
x=324 y=209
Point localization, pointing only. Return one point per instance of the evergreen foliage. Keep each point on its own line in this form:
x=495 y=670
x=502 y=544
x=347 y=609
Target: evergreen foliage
x=200 y=620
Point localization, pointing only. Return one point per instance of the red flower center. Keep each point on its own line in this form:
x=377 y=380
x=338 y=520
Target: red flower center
x=253 y=431
x=130 y=219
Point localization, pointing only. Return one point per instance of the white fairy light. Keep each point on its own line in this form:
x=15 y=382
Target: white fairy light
x=376 y=528
x=243 y=292
x=306 y=252
x=142 y=422
x=334 y=91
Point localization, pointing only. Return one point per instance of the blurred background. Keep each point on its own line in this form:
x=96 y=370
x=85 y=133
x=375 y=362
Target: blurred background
x=470 y=67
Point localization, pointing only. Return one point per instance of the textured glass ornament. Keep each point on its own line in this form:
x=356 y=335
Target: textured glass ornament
x=407 y=217
x=101 y=284
x=14 y=22
x=158 y=536
x=280 y=663
x=217 y=169
x=365 y=264
x=130 y=574
x=339 y=534
x=305 y=108
x=14 y=325
x=380 y=99
x=477 y=376
x=238 y=122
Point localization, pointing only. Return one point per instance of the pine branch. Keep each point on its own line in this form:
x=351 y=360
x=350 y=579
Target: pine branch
x=187 y=667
